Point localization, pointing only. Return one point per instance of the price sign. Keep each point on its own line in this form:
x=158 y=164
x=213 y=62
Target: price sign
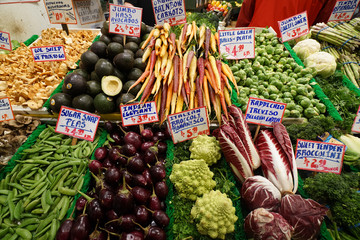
x=60 y=11
x=356 y=124
x=188 y=124
x=5 y=42
x=170 y=11
x=294 y=27
x=77 y=123
x=89 y=11
x=343 y=10
x=48 y=53
x=125 y=20
x=264 y=112
x=237 y=43
x=319 y=156
x=6 y=112
x=136 y=114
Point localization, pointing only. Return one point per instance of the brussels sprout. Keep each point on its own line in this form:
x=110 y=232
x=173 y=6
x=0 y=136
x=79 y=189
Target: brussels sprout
x=302 y=90
x=310 y=112
x=234 y=68
x=278 y=51
x=287 y=100
x=298 y=69
x=273 y=96
x=286 y=89
x=270 y=50
x=299 y=108
x=237 y=79
x=265 y=94
x=286 y=113
x=315 y=101
x=273 y=89
x=305 y=103
x=278 y=84
x=321 y=107
x=295 y=114
x=287 y=94
x=291 y=106
x=285 y=53
x=302 y=81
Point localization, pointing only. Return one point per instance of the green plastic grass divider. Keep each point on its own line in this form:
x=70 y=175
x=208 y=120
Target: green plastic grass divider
x=58 y=88
x=317 y=89
x=32 y=39
x=87 y=176
x=347 y=83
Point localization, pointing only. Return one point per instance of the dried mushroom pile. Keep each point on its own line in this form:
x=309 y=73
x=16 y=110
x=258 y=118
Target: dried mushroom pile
x=29 y=84
x=13 y=134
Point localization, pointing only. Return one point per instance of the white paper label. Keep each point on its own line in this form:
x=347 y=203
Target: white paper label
x=343 y=10
x=136 y=114
x=5 y=42
x=60 y=11
x=6 y=112
x=48 y=53
x=170 y=11
x=125 y=20
x=237 y=43
x=89 y=11
x=294 y=27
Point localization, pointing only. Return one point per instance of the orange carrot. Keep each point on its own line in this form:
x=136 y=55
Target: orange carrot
x=217 y=38
x=148 y=87
x=163 y=103
x=180 y=77
x=151 y=34
x=210 y=79
x=157 y=100
x=225 y=80
x=141 y=79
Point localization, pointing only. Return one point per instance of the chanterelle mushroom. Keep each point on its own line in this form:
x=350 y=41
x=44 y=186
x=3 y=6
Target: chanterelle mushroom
x=23 y=119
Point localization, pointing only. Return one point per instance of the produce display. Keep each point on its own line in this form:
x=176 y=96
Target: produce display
x=107 y=70
x=37 y=192
x=28 y=83
x=220 y=6
x=13 y=134
x=274 y=75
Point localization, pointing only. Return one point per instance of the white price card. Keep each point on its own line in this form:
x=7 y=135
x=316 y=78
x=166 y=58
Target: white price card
x=89 y=11
x=343 y=10
x=6 y=112
x=5 y=42
x=188 y=124
x=60 y=11
x=237 y=43
x=77 y=123
x=170 y=11
x=294 y=27
x=356 y=124
x=264 y=112
x=136 y=114
x=48 y=53
x=319 y=156
x=125 y=20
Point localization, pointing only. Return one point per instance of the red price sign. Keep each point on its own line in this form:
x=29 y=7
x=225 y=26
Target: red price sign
x=136 y=114
x=237 y=43
x=294 y=27
x=125 y=20
x=343 y=10
x=319 y=156
x=6 y=112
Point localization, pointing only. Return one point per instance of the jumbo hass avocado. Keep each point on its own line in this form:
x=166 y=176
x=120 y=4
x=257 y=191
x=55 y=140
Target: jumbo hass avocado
x=88 y=60
x=99 y=48
x=104 y=68
x=58 y=100
x=74 y=84
x=84 y=102
x=104 y=104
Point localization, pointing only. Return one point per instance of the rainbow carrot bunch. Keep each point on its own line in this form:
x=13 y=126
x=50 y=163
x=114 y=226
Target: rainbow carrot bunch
x=182 y=72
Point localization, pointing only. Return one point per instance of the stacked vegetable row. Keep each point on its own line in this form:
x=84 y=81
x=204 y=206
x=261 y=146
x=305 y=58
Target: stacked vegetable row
x=37 y=193
x=183 y=69
x=274 y=75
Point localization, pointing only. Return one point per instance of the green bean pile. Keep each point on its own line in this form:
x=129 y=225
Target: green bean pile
x=36 y=195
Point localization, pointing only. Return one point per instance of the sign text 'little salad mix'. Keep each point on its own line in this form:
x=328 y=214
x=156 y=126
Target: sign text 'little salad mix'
x=188 y=124
x=5 y=42
x=125 y=20
x=169 y=11
x=319 y=156
x=294 y=27
x=264 y=112
x=48 y=53
x=76 y=123
x=237 y=43
x=343 y=10
x=135 y=114
x=6 y=112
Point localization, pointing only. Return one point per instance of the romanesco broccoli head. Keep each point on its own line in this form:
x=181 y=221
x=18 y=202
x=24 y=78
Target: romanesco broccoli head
x=214 y=214
x=192 y=178
x=206 y=148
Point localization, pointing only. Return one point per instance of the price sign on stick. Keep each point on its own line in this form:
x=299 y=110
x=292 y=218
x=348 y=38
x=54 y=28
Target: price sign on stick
x=170 y=11
x=6 y=112
x=125 y=20
x=294 y=27
x=60 y=11
x=356 y=124
x=237 y=43
x=136 y=114
x=188 y=124
x=48 y=53
x=77 y=123
x=89 y=11
x=343 y=10
x=5 y=42
x=319 y=156
x=264 y=112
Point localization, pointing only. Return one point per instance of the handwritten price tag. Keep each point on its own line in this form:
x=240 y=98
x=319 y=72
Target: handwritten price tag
x=136 y=114
x=77 y=123
x=89 y=11
x=60 y=11
x=319 y=156
x=237 y=43
x=294 y=27
x=356 y=124
x=5 y=42
x=343 y=10
x=48 y=53
x=264 y=112
x=170 y=11
x=125 y=20
x=6 y=112
x=188 y=124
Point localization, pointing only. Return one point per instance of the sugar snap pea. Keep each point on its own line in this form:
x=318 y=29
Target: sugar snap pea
x=4 y=231
x=32 y=205
x=32 y=227
x=24 y=233
x=18 y=210
x=29 y=221
x=25 y=169
x=53 y=229
x=13 y=237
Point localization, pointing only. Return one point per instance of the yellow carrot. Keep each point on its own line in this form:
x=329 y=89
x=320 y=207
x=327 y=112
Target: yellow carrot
x=195 y=28
x=163 y=63
x=184 y=66
x=168 y=67
x=217 y=108
x=206 y=95
x=157 y=46
x=202 y=30
x=213 y=43
x=164 y=40
x=192 y=76
x=180 y=77
x=227 y=71
x=157 y=99
x=173 y=102
x=168 y=99
x=157 y=85
x=157 y=66
x=170 y=74
x=227 y=97
x=146 y=54
x=163 y=50
x=156 y=33
x=215 y=71
x=179 y=104
x=178 y=45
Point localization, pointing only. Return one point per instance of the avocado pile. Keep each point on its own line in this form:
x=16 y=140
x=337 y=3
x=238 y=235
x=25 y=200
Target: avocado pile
x=106 y=72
